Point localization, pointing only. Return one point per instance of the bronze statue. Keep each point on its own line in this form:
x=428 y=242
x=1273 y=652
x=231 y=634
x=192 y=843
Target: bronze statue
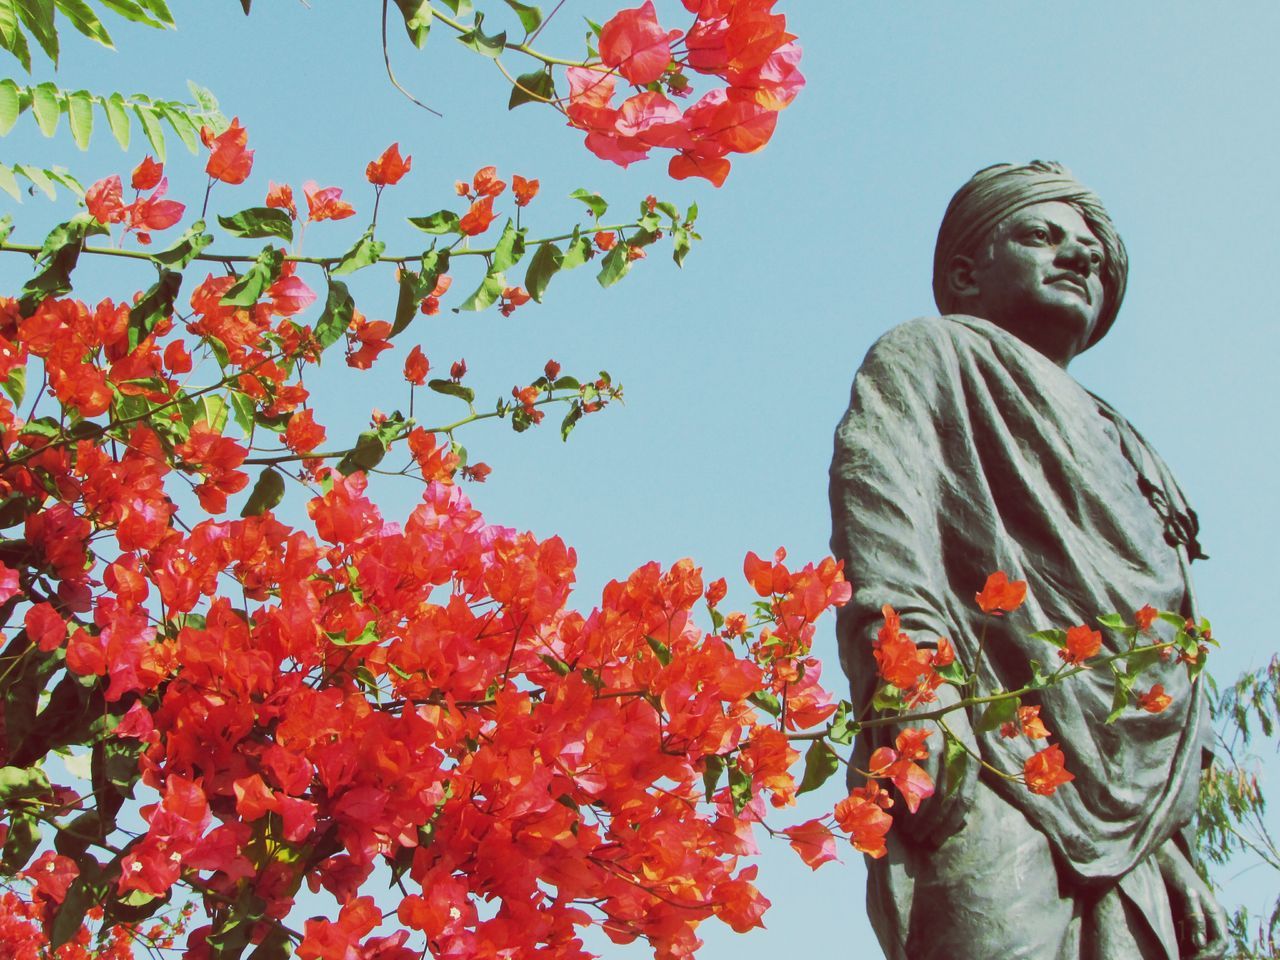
x=966 y=449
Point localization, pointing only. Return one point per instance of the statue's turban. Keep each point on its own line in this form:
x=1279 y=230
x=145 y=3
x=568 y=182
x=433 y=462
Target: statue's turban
x=994 y=193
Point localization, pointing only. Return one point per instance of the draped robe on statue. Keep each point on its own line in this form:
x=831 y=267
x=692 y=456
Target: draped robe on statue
x=965 y=451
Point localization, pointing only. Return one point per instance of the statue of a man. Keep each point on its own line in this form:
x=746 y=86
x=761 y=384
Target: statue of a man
x=967 y=449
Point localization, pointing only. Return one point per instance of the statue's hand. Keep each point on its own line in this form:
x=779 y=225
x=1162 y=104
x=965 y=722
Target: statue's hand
x=1199 y=920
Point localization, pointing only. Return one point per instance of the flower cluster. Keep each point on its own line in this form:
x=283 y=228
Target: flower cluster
x=742 y=43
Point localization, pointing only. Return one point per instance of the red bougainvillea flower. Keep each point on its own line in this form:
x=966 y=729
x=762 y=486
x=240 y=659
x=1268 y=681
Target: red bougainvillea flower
x=605 y=240
x=861 y=816
x=365 y=340
x=1001 y=595
x=814 y=841
x=477 y=220
x=280 y=196
x=513 y=297
x=389 y=168
x=458 y=370
x=325 y=203
x=899 y=766
x=153 y=212
x=551 y=370
x=105 y=200
x=1045 y=772
x=303 y=434
x=1028 y=722
x=1145 y=617
x=1154 y=700
x=52 y=874
x=147 y=174
x=416 y=367
x=479 y=472
x=486 y=183
x=229 y=161
x=525 y=190
x=1082 y=643
x=634 y=42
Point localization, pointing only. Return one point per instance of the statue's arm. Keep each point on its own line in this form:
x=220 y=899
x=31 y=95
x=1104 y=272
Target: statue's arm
x=888 y=477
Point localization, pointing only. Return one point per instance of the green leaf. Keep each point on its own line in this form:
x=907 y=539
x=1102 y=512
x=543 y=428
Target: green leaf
x=22 y=783
x=578 y=252
x=998 y=713
x=86 y=21
x=23 y=839
x=820 y=763
x=616 y=265
x=365 y=252
x=243 y=408
x=537 y=86
x=660 y=649
x=442 y=221
x=61 y=175
x=186 y=128
x=10 y=105
x=952 y=673
x=160 y=10
x=955 y=762
x=680 y=245
x=1056 y=637
x=417 y=20
x=570 y=420
x=267 y=493
x=1177 y=620
x=38 y=16
x=15 y=41
x=767 y=702
x=407 y=301
x=117 y=119
x=530 y=16
x=486 y=294
x=246 y=291
x=460 y=8
x=81 y=895
x=365 y=455
x=739 y=786
x=57 y=258
x=155 y=306
x=843 y=727
x=38 y=177
x=336 y=316
x=713 y=767
x=449 y=388
x=509 y=249
x=595 y=203
x=483 y=44
x=186 y=249
x=132 y=11
x=555 y=663
x=1113 y=621
x=146 y=115
x=15 y=385
x=47 y=107
x=258 y=222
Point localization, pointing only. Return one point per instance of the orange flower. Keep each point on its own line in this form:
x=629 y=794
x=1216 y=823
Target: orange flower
x=326 y=203
x=416 y=367
x=229 y=161
x=525 y=190
x=105 y=200
x=865 y=822
x=303 y=434
x=389 y=168
x=476 y=220
x=147 y=174
x=1001 y=595
x=552 y=370
x=1154 y=700
x=606 y=240
x=1145 y=617
x=1030 y=723
x=1044 y=771
x=716 y=591
x=1082 y=643
x=486 y=182
x=280 y=196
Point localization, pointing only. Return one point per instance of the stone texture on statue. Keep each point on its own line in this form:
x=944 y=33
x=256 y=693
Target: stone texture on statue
x=968 y=448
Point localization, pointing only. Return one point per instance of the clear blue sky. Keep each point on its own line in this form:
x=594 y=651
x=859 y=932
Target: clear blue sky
x=737 y=368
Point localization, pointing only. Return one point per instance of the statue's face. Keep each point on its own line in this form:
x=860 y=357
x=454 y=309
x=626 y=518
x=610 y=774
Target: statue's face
x=1040 y=278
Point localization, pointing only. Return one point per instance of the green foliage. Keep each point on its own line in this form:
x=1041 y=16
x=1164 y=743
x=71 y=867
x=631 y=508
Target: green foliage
x=1231 y=823
x=40 y=19
x=48 y=104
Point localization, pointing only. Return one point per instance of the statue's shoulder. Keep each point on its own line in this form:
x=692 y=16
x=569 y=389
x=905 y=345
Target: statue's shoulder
x=924 y=347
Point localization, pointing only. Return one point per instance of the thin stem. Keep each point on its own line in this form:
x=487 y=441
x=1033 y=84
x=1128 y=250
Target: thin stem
x=391 y=75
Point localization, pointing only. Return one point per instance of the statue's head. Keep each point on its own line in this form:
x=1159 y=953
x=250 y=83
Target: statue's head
x=1033 y=251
